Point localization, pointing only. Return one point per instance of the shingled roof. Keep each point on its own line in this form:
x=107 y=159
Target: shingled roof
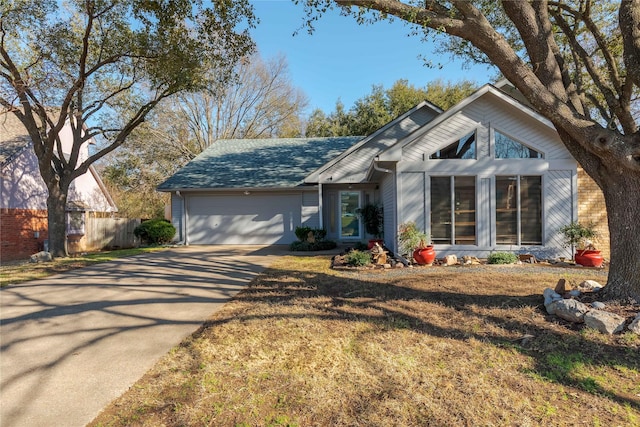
x=257 y=163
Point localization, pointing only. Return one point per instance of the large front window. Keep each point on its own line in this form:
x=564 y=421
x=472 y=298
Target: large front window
x=349 y=220
x=519 y=210
x=453 y=210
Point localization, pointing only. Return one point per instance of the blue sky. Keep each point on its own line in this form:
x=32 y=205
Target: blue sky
x=343 y=60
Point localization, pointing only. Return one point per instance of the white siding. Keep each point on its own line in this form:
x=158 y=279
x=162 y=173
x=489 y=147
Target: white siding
x=354 y=167
x=177 y=216
x=412 y=198
x=388 y=192
x=310 y=209
x=559 y=210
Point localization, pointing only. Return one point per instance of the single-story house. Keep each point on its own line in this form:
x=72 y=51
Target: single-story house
x=23 y=206
x=489 y=174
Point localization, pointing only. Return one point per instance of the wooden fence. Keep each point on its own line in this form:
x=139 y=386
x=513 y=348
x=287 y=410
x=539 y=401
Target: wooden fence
x=110 y=233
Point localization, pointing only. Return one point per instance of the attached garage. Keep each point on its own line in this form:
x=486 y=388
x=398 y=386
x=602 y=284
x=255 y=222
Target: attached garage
x=261 y=219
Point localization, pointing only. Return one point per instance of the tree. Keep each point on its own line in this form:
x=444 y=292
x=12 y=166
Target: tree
x=578 y=64
x=259 y=102
x=381 y=106
x=104 y=66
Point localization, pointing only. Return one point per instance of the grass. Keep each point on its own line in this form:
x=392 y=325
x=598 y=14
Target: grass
x=18 y=272
x=304 y=345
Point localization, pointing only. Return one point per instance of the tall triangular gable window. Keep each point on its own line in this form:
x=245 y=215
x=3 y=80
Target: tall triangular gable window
x=464 y=148
x=508 y=148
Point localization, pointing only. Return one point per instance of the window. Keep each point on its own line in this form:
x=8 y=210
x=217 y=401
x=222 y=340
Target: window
x=464 y=148
x=507 y=148
x=519 y=210
x=453 y=210
x=349 y=220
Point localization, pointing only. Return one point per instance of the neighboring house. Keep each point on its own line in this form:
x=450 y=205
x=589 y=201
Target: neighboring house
x=489 y=174
x=23 y=206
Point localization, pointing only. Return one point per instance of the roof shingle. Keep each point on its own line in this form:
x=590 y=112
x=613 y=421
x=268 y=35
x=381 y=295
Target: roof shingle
x=257 y=163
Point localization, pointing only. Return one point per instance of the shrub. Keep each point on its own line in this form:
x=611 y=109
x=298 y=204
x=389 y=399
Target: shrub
x=502 y=258
x=358 y=258
x=155 y=231
x=302 y=233
x=319 y=245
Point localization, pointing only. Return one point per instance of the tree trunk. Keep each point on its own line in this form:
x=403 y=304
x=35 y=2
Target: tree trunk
x=56 y=206
x=623 y=211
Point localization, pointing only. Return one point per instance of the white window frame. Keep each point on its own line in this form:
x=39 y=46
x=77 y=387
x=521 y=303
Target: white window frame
x=341 y=236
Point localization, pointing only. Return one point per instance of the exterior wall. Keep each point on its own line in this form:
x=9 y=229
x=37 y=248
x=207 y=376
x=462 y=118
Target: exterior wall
x=592 y=209
x=388 y=196
x=485 y=116
x=22 y=186
x=177 y=216
x=310 y=209
x=18 y=228
x=353 y=168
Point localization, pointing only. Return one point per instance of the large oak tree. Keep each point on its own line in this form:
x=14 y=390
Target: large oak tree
x=104 y=66
x=578 y=64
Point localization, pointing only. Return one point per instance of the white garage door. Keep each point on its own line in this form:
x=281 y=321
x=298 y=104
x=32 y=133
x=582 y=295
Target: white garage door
x=243 y=220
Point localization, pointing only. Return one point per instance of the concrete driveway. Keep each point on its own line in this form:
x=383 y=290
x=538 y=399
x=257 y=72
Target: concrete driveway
x=71 y=343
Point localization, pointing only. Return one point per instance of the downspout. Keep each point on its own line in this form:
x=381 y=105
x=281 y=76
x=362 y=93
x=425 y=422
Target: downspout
x=183 y=221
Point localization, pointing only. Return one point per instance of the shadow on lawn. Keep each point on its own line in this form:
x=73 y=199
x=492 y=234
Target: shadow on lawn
x=558 y=350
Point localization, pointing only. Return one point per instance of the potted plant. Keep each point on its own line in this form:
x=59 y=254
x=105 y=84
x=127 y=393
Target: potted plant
x=416 y=242
x=373 y=220
x=580 y=237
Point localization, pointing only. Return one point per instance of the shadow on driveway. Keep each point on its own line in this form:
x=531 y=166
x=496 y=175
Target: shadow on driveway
x=71 y=343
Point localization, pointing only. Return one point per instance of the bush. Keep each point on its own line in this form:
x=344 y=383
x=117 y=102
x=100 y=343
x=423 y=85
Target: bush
x=155 y=231
x=358 y=258
x=502 y=258
x=321 y=245
x=302 y=233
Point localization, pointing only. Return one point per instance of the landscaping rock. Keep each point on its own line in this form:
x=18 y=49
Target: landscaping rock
x=598 y=305
x=561 y=287
x=450 y=260
x=635 y=325
x=589 y=285
x=41 y=257
x=571 y=310
x=550 y=297
x=603 y=321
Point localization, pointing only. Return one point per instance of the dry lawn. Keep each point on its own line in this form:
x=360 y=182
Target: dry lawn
x=308 y=346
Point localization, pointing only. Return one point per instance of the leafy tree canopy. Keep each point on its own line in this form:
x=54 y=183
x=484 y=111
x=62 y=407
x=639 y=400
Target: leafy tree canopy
x=381 y=106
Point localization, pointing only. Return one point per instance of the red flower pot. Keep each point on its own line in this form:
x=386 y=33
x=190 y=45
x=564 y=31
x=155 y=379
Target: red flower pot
x=589 y=258
x=425 y=256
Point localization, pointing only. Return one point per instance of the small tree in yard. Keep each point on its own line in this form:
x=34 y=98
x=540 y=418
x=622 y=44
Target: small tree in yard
x=577 y=63
x=104 y=66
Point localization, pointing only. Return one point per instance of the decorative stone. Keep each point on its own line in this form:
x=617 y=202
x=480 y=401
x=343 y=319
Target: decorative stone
x=635 y=325
x=598 y=305
x=574 y=293
x=589 y=285
x=571 y=310
x=603 y=321
x=550 y=297
x=561 y=287
x=450 y=260
x=41 y=257
x=527 y=258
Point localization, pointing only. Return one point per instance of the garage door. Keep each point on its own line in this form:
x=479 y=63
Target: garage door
x=243 y=220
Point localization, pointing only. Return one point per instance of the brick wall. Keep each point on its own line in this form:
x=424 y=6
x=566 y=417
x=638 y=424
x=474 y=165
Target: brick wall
x=17 y=233
x=591 y=208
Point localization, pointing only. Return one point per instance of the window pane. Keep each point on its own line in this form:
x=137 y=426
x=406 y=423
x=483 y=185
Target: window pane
x=506 y=210
x=464 y=148
x=531 y=210
x=441 y=209
x=507 y=148
x=349 y=221
x=465 y=210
